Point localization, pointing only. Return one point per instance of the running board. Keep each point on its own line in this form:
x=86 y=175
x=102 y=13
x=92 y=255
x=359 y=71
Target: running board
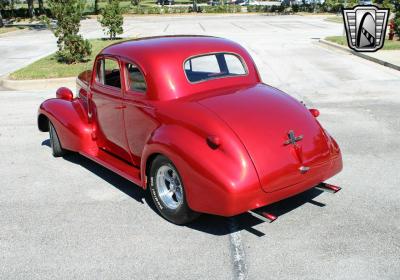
x=328 y=188
x=264 y=216
x=116 y=165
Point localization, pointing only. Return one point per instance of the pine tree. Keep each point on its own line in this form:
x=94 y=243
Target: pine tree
x=111 y=19
x=71 y=46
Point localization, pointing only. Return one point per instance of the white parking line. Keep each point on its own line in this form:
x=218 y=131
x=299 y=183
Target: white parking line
x=237 y=252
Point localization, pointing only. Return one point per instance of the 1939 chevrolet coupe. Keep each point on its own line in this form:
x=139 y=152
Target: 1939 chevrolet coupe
x=188 y=118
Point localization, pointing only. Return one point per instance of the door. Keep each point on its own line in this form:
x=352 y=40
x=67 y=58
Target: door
x=139 y=112
x=108 y=107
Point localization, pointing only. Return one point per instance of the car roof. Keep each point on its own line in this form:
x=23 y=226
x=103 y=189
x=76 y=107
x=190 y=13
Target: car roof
x=161 y=59
x=174 y=44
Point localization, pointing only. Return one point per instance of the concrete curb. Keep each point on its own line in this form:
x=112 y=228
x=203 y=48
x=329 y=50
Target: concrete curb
x=39 y=84
x=370 y=58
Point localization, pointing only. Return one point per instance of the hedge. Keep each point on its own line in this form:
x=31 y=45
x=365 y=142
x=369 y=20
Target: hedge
x=23 y=12
x=311 y=8
x=187 y=9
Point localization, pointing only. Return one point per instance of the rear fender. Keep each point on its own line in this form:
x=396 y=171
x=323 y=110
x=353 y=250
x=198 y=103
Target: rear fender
x=213 y=178
x=70 y=121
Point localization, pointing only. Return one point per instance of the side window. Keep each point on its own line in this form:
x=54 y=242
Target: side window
x=135 y=78
x=108 y=73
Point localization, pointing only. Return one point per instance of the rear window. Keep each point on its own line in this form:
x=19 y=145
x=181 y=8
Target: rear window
x=213 y=66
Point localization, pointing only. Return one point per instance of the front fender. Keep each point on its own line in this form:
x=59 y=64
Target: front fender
x=215 y=180
x=70 y=121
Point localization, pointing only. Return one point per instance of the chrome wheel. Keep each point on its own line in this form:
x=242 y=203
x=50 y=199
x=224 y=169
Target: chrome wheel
x=169 y=186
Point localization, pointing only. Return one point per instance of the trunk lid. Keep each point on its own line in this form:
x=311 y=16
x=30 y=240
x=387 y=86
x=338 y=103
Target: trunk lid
x=262 y=117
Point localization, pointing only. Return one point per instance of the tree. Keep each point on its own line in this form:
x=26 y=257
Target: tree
x=41 y=6
x=384 y=4
x=3 y=3
x=96 y=7
x=31 y=10
x=396 y=6
x=135 y=2
x=111 y=19
x=194 y=5
x=1 y=20
x=71 y=46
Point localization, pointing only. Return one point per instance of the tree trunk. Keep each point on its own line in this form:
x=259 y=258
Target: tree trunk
x=31 y=11
x=12 y=7
x=195 y=6
x=41 y=7
x=96 y=7
x=1 y=20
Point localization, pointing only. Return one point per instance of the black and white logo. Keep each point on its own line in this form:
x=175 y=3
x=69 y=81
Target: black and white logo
x=365 y=27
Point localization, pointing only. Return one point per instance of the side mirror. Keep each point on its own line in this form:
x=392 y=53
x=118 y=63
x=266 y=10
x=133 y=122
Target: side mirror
x=64 y=93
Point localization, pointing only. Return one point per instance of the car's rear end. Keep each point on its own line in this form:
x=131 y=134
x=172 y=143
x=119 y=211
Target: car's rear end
x=289 y=149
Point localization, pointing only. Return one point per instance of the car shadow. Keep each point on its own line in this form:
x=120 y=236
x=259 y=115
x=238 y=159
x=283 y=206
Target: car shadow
x=124 y=185
x=221 y=226
x=210 y=224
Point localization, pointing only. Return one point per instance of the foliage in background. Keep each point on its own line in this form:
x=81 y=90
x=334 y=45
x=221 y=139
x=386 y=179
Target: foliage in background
x=111 y=19
x=71 y=46
x=396 y=5
x=31 y=10
x=3 y=3
x=384 y=4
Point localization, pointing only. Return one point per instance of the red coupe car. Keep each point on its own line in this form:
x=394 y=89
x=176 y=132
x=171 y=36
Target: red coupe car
x=189 y=119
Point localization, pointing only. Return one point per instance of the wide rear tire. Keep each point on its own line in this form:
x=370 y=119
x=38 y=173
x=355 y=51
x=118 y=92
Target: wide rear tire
x=55 y=143
x=168 y=193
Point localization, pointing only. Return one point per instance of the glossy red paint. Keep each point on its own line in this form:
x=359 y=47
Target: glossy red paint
x=64 y=93
x=229 y=138
x=314 y=112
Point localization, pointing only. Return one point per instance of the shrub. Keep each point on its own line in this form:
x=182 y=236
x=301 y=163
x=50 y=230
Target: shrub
x=220 y=9
x=397 y=18
x=111 y=19
x=71 y=46
x=333 y=6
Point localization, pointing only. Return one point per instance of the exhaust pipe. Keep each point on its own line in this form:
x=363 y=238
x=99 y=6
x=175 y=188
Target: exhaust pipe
x=328 y=188
x=264 y=216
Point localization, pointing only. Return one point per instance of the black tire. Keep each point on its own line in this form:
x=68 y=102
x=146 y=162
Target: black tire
x=182 y=214
x=55 y=143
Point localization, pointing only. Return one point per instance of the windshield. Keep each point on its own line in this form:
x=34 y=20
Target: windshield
x=213 y=66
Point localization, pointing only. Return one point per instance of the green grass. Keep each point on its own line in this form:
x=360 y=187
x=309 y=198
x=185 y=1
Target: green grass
x=337 y=19
x=49 y=67
x=9 y=29
x=389 y=44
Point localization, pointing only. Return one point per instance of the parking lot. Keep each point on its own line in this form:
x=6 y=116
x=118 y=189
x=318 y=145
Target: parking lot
x=69 y=218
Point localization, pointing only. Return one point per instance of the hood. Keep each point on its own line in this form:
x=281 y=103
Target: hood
x=262 y=117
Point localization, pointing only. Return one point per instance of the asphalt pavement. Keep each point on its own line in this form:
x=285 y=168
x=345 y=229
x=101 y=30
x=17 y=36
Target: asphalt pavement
x=69 y=218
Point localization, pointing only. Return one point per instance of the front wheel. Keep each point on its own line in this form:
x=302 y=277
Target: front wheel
x=55 y=143
x=168 y=193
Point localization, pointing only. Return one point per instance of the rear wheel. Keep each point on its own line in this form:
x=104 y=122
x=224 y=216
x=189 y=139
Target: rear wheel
x=55 y=143
x=168 y=193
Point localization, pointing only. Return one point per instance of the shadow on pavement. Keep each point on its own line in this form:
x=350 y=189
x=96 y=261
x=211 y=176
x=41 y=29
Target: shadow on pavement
x=210 y=224
x=221 y=226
